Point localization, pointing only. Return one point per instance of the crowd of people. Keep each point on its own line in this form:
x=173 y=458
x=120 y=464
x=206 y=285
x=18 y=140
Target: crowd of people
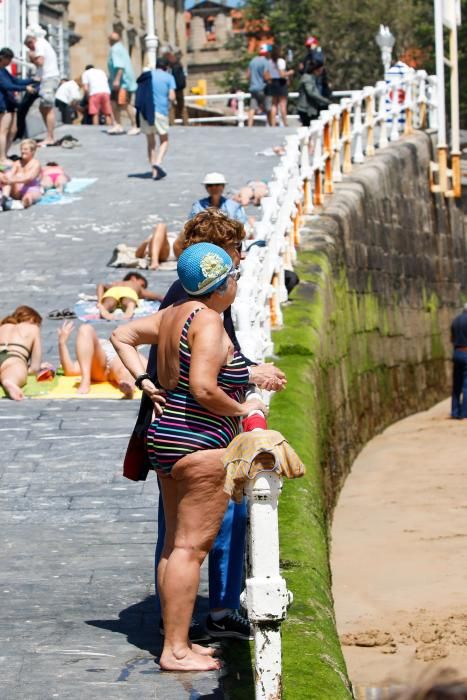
x=196 y=380
x=268 y=83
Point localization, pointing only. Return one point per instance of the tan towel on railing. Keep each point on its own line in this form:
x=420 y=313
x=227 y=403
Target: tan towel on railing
x=251 y=453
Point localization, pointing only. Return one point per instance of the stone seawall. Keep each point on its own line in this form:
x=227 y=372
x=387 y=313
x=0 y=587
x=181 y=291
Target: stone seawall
x=389 y=262
x=365 y=342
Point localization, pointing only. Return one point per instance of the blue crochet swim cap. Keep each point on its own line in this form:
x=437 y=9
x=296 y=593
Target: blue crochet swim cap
x=203 y=267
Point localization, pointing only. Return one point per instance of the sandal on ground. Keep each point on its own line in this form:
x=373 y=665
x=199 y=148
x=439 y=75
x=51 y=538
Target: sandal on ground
x=55 y=315
x=68 y=313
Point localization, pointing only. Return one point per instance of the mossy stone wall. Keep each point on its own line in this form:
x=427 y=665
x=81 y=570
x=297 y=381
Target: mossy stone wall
x=365 y=342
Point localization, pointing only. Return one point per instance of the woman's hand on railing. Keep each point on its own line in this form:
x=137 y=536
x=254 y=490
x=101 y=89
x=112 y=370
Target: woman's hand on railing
x=268 y=376
x=255 y=404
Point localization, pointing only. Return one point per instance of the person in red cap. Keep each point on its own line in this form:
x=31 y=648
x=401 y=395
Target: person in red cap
x=315 y=55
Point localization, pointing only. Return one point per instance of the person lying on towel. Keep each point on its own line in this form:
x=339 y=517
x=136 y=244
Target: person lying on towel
x=123 y=295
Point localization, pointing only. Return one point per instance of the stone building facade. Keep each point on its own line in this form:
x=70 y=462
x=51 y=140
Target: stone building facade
x=93 y=20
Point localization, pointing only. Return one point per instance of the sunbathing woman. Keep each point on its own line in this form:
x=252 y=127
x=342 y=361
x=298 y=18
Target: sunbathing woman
x=159 y=247
x=53 y=176
x=20 y=349
x=252 y=193
x=22 y=181
x=123 y=295
x=96 y=360
x=203 y=379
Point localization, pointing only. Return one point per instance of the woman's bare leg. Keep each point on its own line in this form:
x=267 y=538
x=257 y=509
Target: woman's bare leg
x=119 y=375
x=11 y=132
x=273 y=111
x=244 y=195
x=91 y=358
x=128 y=306
x=60 y=183
x=159 y=247
x=199 y=479
x=13 y=376
x=5 y=121
x=283 y=109
x=109 y=305
x=31 y=197
x=47 y=182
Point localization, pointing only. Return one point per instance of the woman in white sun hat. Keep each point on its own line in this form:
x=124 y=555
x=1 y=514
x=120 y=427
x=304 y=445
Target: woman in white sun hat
x=215 y=184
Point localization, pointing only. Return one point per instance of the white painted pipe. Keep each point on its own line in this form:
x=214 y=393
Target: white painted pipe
x=151 y=39
x=439 y=43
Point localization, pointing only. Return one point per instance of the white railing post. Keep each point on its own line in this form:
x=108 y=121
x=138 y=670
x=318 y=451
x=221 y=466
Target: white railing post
x=433 y=102
x=358 y=155
x=381 y=91
x=266 y=596
x=395 y=110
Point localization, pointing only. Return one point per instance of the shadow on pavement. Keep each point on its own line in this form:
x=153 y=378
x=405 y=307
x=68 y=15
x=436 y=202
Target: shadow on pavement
x=141 y=176
x=138 y=623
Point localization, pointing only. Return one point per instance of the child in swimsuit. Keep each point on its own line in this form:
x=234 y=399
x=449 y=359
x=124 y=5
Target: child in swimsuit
x=54 y=177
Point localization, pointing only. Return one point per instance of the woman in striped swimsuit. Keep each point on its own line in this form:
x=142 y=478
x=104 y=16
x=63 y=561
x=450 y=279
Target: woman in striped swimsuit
x=203 y=380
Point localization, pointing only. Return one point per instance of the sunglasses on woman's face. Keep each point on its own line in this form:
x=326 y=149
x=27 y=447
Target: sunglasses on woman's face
x=235 y=274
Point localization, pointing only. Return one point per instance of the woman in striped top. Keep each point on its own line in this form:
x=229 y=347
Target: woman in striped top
x=203 y=379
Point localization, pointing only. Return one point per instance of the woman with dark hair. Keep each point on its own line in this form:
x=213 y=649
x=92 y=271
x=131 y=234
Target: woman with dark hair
x=20 y=349
x=9 y=84
x=278 y=85
x=203 y=379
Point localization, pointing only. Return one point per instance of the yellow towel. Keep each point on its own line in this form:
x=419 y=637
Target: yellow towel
x=251 y=453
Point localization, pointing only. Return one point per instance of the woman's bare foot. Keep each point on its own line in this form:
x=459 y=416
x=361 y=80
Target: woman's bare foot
x=127 y=388
x=13 y=391
x=84 y=387
x=191 y=661
x=154 y=265
x=204 y=651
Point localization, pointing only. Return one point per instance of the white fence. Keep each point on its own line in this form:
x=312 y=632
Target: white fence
x=314 y=159
x=239 y=115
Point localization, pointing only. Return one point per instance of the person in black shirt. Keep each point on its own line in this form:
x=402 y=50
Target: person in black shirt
x=459 y=358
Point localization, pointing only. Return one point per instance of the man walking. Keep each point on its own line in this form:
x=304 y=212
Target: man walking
x=44 y=58
x=122 y=84
x=459 y=358
x=257 y=73
x=156 y=90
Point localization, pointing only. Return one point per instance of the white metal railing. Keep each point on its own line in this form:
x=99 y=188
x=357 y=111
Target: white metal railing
x=315 y=158
x=350 y=131
x=240 y=116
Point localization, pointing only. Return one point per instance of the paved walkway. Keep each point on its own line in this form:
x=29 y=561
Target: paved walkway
x=76 y=573
x=399 y=555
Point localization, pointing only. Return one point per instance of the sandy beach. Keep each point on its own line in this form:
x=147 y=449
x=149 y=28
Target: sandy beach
x=399 y=552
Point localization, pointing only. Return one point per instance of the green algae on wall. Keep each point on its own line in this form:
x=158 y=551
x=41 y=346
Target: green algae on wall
x=342 y=354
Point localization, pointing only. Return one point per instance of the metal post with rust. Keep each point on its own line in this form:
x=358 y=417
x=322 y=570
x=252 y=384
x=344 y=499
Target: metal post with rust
x=328 y=185
x=369 y=97
x=346 y=137
x=266 y=594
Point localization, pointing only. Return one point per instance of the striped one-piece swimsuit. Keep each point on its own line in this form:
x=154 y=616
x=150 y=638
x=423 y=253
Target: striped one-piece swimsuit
x=185 y=426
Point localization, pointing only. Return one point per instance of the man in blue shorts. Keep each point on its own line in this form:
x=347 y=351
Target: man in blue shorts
x=155 y=92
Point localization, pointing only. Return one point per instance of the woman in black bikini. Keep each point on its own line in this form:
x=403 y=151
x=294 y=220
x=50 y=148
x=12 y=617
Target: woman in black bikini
x=20 y=349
